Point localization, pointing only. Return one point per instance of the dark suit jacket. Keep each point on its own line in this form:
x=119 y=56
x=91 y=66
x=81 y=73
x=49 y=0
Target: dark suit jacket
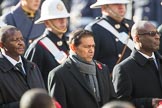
x=69 y=88
x=134 y=80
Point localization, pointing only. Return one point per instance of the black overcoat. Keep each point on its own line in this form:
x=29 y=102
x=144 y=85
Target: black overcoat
x=13 y=84
x=69 y=88
x=134 y=80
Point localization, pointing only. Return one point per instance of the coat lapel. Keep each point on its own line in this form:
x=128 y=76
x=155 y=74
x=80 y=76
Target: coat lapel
x=159 y=62
x=142 y=61
x=79 y=77
x=138 y=57
x=100 y=78
x=5 y=65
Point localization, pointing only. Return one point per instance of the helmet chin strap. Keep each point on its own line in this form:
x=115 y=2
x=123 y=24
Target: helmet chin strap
x=117 y=16
x=56 y=29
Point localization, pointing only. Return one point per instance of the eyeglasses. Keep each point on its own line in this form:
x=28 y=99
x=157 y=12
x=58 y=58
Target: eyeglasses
x=151 y=33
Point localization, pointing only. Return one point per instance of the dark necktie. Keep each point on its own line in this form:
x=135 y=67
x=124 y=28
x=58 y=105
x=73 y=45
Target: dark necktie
x=19 y=67
x=152 y=62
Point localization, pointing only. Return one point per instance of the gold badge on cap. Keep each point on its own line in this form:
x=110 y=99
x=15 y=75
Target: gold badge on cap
x=59 y=43
x=60 y=7
x=117 y=26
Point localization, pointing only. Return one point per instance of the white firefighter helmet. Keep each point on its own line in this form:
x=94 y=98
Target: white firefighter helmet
x=99 y=3
x=52 y=9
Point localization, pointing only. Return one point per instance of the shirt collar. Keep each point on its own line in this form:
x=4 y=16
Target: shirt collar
x=14 y=62
x=146 y=56
x=29 y=13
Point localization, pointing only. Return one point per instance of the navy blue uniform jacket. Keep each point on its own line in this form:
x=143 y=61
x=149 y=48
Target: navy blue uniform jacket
x=107 y=46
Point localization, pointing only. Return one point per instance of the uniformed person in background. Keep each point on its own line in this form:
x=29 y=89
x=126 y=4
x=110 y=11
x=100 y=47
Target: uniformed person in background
x=23 y=16
x=51 y=48
x=149 y=10
x=111 y=32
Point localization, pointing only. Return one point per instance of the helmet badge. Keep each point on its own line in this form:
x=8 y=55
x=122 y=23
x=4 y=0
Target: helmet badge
x=60 y=7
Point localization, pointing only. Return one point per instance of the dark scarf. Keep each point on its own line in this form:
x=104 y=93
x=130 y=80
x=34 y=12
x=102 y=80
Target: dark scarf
x=89 y=72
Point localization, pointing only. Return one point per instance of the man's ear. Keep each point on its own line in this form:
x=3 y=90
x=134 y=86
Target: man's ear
x=72 y=47
x=136 y=38
x=46 y=22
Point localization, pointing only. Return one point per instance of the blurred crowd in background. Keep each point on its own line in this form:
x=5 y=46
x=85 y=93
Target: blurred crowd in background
x=81 y=14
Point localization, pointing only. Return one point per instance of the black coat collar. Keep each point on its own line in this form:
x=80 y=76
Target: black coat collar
x=6 y=65
x=73 y=69
x=140 y=59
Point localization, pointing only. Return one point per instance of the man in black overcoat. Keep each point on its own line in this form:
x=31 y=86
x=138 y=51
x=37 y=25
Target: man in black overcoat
x=139 y=77
x=81 y=82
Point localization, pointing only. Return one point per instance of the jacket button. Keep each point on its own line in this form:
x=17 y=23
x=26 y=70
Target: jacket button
x=119 y=55
x=116 y=39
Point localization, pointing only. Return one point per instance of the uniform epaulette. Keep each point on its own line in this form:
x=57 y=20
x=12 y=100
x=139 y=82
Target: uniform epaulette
x=32 y=45
x=128 y=22
x=89 y=26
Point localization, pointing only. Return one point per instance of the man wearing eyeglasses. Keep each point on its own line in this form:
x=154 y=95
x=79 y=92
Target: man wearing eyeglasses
x=139 y=77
